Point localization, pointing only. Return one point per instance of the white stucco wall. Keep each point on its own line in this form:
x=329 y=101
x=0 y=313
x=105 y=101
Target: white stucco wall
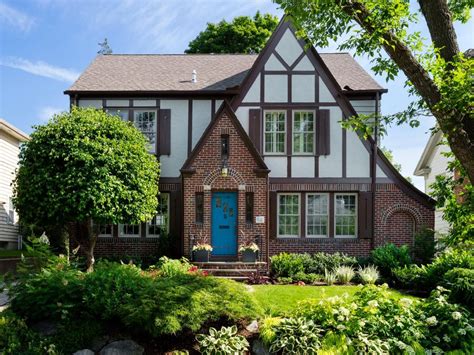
x=253 y=95
x=288 y=47
x=358 y=158
x=331 y=165
x=302 y=166
x=277 y=165
x=144 y=103
x=242 y=114
x=302 y=88
x=201 y=118
x=274 y=64
x=304 y=64
x=171 y=164
x=276 y=88
x=324 y=93
x=118 y=103
x=90 y=103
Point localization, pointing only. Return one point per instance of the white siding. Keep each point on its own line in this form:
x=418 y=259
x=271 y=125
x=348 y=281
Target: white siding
x=358 y=158
x=9 y=150
x=170 y=165
x=288 y=47
x=277 y=165
x=253 y=95
x=324 y=93
x=276 y=88
x=201 y=118
x=302 y=167
x=302 y=88
x=331 y=165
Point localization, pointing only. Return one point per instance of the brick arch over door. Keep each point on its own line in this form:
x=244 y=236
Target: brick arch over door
x=400 y=223
x=213 y=175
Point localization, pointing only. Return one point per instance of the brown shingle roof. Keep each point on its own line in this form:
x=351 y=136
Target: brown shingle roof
x=215 y=72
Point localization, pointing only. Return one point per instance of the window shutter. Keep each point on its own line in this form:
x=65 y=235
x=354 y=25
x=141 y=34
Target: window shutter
x=322 y=133
x=365 y=215
x=273 y=214
x=164 y=131
x=255 y=128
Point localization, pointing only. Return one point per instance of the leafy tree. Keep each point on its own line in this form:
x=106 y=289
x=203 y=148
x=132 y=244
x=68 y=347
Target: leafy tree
x=439 y=76
x=104 y=47
x=86 y=166
x=243 y=35
x=389 y=155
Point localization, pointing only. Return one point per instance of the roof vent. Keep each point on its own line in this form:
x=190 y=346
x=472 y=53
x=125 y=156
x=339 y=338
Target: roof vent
x=194 y=77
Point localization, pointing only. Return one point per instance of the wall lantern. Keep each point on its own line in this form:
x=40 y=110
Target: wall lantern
x=224 y=169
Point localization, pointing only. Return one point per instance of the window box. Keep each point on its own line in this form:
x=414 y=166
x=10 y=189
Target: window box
x=201 y=256
x=249 y=256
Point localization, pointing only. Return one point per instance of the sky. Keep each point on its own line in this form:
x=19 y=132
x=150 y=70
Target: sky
x=46 y=44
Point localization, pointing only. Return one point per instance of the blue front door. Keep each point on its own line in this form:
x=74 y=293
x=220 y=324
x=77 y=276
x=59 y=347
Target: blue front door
x=224 y=223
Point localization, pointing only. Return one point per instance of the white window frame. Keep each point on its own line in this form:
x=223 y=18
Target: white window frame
x=106 y=235
x=328 y=215
x=356 y=215
x=274 y=132
x=123 y=235
x=278 y=215
x=155 y=127
x=117 y=111
x=303 y=132
x=148 y=235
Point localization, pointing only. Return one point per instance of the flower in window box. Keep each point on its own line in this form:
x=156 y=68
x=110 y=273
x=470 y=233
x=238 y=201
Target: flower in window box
x=249 y=252
x=201 y=252
x=251 y=246
x=205 y=247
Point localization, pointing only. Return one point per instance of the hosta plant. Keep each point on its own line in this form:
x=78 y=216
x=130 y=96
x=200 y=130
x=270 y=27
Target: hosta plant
x=344 y=274
x=223 y=341
x=368 y=275
x=296 y=336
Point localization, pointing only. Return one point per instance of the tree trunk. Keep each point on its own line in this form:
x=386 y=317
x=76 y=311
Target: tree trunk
x=86 y=237
x=456 y=125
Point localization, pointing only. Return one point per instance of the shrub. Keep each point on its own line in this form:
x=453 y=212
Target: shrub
x=285 y=280
x=324 y=261
x=286 y=265
x=461 y=283
x=425 y=246
x=330 y=277
x=223 y=341
x=389 y=257
x=76 y=334
x=173 y=267
x=307 y=278
x=368 y=275
x=296 y=336
x=411 y=277
x=344 y=274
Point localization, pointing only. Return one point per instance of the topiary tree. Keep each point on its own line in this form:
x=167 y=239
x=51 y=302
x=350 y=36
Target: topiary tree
x=86 y=166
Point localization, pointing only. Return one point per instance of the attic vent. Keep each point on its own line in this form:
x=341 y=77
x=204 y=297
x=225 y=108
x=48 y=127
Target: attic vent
x=194 y=77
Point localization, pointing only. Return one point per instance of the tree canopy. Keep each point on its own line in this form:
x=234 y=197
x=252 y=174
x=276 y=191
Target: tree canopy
x=86 y=166
x=440 y=77
x=243 y=35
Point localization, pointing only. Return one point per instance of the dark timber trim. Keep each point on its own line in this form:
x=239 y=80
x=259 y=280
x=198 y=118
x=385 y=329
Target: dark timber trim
x=190 y=126
x=344 y=149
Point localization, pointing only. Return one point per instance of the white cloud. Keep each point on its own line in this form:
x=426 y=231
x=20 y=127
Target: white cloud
x=42 y=69
x=47 y=112
x=15 y=18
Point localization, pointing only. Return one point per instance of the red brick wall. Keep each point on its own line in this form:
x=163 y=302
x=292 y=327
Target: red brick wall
x=117 y=246
x=241 y=178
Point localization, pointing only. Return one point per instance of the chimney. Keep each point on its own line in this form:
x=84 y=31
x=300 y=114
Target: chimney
x=194 y=77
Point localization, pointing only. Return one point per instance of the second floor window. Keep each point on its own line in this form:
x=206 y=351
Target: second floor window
x=123 y=114
x=145 y=121
x=275 y=131
x=303 y=132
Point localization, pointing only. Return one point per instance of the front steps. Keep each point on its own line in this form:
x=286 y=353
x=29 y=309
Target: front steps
x=235 y=270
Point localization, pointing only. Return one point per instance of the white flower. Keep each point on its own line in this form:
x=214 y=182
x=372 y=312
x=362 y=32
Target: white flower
x=340 y=318
x=431 y=321
x=361 y=323
x=340 y=327
x=406 y=302
x=436 y=339
x=456 y=315
x=446 y=338
x=44 y=239
x=462 y=331
x=373 y=303
x=344 y=311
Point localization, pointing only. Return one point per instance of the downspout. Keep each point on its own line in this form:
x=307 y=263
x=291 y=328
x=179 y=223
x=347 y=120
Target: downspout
x=374 y=165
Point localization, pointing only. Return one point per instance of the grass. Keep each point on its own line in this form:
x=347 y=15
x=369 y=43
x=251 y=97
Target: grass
x=282 y=299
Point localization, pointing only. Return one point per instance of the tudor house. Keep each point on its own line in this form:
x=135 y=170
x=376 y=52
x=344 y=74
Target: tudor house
x=251 y=149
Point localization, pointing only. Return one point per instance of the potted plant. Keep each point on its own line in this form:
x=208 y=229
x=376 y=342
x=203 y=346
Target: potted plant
x=249 y=252
x=201 y=252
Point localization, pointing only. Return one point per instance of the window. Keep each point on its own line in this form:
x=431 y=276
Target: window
x=105 y=230
x=249 y=207
x=345 y=215
x=275 y=128
x=11 y=212
x=225 y=147
x=129 y=230
x=145 y=121
x=288 y=215
x=199 y=208
x=160 y=223
x=303 y=132
x=317 y=211
x=123 y=114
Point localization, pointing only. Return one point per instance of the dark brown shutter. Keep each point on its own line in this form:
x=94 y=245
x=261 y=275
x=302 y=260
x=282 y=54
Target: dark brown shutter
x=175 y=223
x=273 y=214
x=255 y=125
x=164 y=130
x=365 y=215
x=322 y=133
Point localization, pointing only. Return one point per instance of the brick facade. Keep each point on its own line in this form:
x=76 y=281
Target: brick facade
x=207 y=178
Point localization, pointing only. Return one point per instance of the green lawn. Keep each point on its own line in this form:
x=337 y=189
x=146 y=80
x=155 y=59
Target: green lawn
x=280 y=299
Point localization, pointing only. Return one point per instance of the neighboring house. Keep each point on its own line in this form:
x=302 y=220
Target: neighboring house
x=251 y=149
x=10 y=140
x=432 y=163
